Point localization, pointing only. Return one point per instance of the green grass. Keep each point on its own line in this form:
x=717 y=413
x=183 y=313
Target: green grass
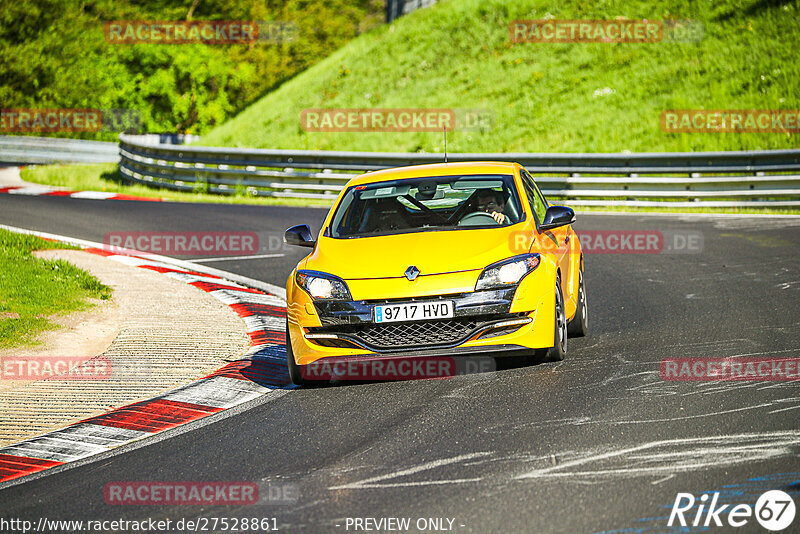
x=458 y=54
x=33 y=289
x=106 y=177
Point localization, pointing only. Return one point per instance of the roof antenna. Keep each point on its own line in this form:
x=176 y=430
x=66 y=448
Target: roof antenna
x=445 y=143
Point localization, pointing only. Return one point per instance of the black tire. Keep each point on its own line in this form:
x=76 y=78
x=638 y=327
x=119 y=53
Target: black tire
x=579 y=325
x=295 y=373
x=557 y=352
x=294 y=369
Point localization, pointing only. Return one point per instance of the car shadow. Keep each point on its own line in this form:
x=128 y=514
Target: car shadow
x=360 y=371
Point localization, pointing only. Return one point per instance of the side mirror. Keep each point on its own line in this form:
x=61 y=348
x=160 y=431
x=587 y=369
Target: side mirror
x=299 y=235
x=556 y=216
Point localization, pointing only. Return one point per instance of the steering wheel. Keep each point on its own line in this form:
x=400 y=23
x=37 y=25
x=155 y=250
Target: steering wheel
x=477 y=218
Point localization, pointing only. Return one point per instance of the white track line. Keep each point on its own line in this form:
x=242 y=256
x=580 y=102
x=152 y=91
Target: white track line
x=228 y=258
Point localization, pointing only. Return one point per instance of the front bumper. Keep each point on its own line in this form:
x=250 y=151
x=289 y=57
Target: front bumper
x=483 y=322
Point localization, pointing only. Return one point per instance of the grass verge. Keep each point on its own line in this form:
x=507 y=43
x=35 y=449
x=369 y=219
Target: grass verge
x=33 y=289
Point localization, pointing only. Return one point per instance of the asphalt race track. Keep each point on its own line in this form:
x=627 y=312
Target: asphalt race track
x=598 y=442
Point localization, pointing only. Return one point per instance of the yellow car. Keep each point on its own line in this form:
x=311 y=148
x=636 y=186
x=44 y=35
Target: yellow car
x=436 y=260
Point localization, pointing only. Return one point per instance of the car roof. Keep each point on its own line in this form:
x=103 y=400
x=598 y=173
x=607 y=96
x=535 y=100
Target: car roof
x=436 y=169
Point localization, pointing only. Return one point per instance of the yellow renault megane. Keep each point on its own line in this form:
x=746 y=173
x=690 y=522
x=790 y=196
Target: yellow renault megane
x=436 y=260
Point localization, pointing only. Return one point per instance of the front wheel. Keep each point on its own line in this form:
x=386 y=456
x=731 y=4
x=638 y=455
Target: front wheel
x=557 y=352
x=294 y=370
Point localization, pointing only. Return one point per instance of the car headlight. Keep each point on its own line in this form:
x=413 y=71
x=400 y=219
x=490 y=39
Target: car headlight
x=508 y=272
x=322 y=285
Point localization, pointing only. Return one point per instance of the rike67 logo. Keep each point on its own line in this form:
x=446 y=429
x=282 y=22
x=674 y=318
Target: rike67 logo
x=774 y=510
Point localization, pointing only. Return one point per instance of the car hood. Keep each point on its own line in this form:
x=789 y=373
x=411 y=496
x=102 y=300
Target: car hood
x=431 y=252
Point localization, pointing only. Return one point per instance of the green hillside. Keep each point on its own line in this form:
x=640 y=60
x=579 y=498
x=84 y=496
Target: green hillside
x=573 y=97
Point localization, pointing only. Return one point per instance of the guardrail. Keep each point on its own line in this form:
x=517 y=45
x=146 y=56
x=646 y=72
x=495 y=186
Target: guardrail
x=29 y=150
x=24 y=150
x=709 y=179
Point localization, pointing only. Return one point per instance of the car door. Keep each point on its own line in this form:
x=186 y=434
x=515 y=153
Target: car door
x=557 y=239
x=538 y=213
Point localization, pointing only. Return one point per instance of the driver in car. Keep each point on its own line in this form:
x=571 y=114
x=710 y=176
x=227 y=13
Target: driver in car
x=491 y=202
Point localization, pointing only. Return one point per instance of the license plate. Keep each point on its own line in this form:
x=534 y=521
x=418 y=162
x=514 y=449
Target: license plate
x=413 y=311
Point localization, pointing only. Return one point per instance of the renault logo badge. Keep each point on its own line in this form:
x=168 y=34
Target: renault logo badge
x=412 y=272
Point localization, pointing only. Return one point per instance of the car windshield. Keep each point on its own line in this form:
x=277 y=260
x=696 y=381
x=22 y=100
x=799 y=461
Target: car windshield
x=427 y=204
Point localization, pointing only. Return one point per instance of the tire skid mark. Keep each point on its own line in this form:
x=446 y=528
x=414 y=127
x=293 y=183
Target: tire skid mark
x=673 y=456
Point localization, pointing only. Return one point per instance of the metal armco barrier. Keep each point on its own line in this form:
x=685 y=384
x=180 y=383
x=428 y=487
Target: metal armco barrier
x=25 y=150
x=29 y=150
x=767 y=178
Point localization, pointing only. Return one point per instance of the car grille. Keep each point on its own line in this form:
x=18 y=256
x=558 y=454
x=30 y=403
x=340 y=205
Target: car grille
x=407 y=335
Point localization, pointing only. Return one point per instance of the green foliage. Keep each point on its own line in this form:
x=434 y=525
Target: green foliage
x=200 y=185
x=53 y=54
x=545 y=97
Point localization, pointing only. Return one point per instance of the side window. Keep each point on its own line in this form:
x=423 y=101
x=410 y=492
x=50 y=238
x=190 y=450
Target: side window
x=540 y=196
x=538 y=204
